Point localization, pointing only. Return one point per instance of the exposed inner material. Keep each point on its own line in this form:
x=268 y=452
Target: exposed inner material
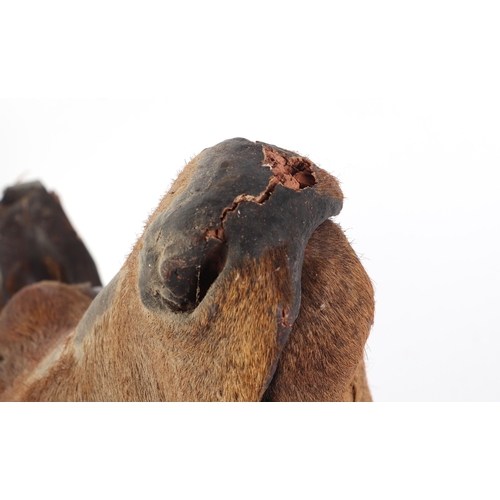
x=293 y=172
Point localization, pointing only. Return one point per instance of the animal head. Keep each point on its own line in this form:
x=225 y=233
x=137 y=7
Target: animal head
x=240 y=288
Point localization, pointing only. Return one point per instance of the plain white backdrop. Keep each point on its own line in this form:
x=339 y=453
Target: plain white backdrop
x=105 y=102
x=400 y=104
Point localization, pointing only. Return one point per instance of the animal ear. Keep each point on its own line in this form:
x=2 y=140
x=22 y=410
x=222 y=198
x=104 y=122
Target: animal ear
x=38 y=242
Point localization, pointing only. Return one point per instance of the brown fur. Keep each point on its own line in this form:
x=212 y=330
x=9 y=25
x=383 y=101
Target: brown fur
x=32 y=323
x=224 y=350
x=323 y=359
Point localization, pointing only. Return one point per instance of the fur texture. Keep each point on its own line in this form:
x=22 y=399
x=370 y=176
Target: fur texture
x=323 y=358
x=241 y=342
x=34 y=321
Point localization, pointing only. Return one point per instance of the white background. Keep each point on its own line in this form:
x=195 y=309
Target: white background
x=400 y=100
x=400 y=104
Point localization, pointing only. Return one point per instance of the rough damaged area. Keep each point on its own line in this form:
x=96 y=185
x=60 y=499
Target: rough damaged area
x=292 y=172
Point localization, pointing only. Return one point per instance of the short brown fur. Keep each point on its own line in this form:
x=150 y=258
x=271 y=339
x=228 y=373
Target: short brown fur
x=33 y=322
x=335 y=318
